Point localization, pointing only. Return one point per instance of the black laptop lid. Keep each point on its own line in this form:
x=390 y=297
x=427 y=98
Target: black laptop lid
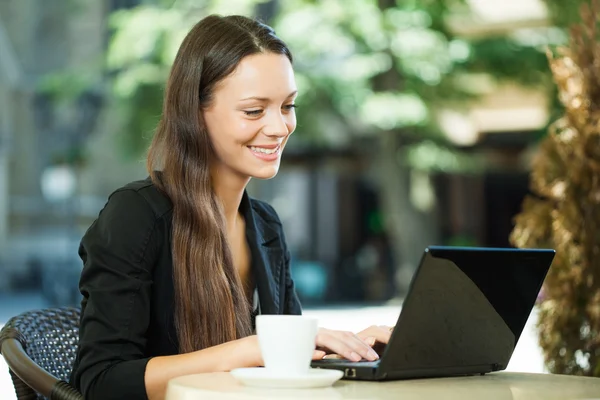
x=466 y=307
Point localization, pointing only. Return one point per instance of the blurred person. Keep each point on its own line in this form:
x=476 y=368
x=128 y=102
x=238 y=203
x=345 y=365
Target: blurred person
x=177 y=266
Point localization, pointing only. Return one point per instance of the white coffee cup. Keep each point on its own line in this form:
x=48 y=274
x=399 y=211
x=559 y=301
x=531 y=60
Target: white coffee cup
x=287 y=342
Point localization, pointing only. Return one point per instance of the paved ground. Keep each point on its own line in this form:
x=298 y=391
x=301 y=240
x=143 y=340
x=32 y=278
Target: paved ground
x=527 y=356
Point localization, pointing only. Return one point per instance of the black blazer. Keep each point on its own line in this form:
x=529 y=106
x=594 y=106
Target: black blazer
x=127 y=287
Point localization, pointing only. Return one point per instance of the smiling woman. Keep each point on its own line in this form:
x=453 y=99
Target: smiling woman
x=177 y=266
x=252 y=115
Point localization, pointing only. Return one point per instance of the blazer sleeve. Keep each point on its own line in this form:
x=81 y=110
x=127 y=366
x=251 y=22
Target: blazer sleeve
x=118 y=252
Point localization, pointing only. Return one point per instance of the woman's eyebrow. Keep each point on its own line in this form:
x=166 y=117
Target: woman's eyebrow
x=266 y=98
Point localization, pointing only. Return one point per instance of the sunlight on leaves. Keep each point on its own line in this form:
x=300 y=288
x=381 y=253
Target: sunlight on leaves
x=304 y=85
x=429 y=156
x=350 y=57
x=366 y=21
x=459 y=50
x=226 y=7
x=332 y=42
x=389 y=111
x=128 y=82
x=421 y=44
x=403 y=19
x=138 y=31
x=364 y=66
x=540 y=37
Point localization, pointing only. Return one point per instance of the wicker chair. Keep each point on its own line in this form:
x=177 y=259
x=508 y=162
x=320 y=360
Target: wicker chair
x=39 y=348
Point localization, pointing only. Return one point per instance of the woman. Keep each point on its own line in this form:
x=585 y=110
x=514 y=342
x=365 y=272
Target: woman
x=176 y=266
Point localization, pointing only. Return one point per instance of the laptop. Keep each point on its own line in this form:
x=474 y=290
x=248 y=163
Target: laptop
x=463 y=315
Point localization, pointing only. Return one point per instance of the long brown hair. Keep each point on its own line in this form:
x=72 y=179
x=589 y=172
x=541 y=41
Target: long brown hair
x=210 y=305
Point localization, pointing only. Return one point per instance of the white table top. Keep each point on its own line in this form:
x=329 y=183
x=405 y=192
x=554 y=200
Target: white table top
x=495 y=386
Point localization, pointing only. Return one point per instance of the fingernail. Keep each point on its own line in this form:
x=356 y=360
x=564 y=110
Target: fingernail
x=372 y=355
x=355 y=357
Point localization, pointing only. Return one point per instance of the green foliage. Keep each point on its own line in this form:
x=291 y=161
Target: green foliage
x=143 y=45
x=363 y=68
x=565 y=13
x=392 y=69
x=506 y=58
x=141 y=50
x=66 y=86
x=354 y=44
x=430 y=156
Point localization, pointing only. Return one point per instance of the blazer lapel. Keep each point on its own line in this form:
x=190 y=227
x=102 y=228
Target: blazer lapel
x=266 y=258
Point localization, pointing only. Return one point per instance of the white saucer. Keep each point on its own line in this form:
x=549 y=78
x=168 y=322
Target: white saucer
x=261 y=377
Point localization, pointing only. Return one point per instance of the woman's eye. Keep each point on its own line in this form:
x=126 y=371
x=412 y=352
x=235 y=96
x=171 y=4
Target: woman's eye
x=253 y=113
x=289 y=107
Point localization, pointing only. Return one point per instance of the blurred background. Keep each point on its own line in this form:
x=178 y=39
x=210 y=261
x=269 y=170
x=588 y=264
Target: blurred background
x=417 y=123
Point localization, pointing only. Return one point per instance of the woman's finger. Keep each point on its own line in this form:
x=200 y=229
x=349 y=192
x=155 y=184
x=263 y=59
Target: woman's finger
x=318 y=355
x=380 y=333
x=346 y=344
x=333 y=356
x=370 y=340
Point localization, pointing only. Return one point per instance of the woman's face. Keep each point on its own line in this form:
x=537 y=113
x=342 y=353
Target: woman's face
x=252 y=116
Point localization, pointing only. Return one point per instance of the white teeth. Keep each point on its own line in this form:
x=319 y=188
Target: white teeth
x=263 y=150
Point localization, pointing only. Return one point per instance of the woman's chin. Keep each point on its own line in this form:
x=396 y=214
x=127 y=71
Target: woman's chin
x=265 y=173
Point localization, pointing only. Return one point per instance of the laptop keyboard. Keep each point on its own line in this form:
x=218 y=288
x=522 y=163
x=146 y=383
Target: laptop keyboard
x=346 y=362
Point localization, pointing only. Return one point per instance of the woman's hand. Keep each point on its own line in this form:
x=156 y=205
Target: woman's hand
x=347 y=344
x=376 y=334
x=353 y=346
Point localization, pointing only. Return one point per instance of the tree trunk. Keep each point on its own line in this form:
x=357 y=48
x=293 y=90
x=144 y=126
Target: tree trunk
x=410 y=230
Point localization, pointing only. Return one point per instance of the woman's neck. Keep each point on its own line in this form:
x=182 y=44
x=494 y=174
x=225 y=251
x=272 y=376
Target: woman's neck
x=229 y=189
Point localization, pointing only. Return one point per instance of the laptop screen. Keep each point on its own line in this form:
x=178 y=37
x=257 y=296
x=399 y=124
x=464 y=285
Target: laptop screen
x=467 y=307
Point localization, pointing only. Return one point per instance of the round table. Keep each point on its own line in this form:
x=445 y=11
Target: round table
x=494 y=386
